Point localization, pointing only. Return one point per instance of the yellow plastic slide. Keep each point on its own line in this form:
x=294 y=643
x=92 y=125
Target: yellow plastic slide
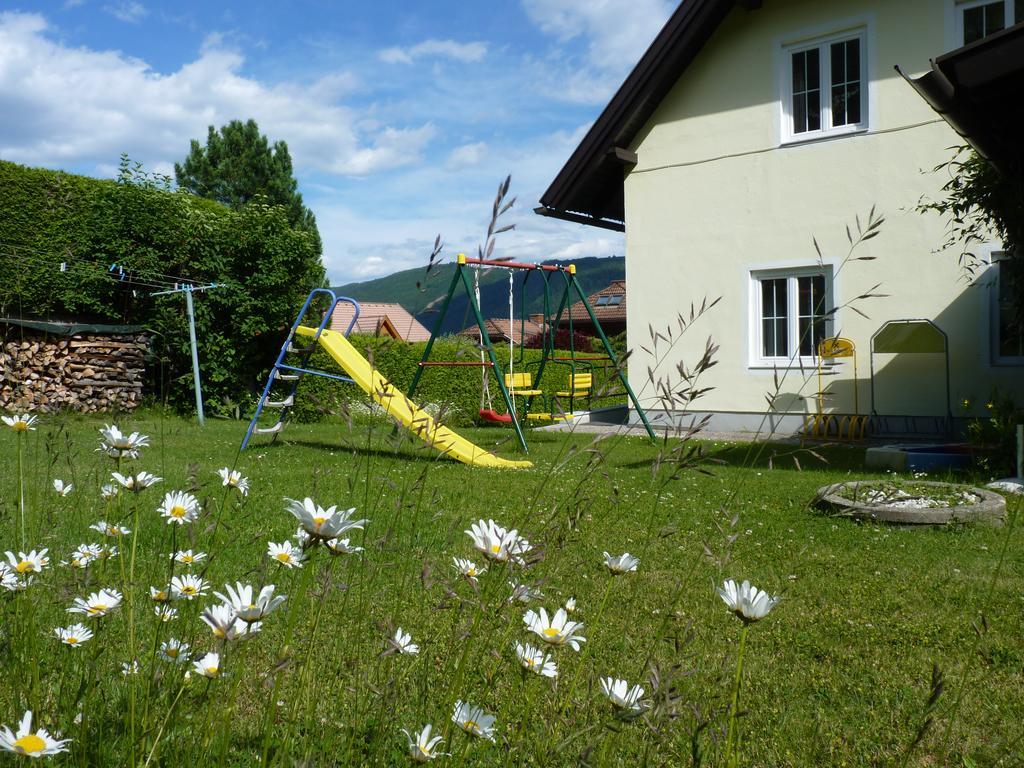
x=408 y=414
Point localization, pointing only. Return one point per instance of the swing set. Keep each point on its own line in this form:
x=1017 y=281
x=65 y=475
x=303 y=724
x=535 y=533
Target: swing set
x=519 y=381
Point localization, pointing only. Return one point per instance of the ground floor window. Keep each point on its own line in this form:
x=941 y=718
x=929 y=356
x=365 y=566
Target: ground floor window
x=791 y=314
x=1008 y=333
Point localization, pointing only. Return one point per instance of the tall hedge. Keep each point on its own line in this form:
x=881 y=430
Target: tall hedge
x=265 y=266
x=453 y=390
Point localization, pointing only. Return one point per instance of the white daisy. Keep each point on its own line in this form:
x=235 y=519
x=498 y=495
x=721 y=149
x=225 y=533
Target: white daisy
x=110 y=529
x=21 y=423
x=33 y=562
x=83 y=555
x=117 y=445
x=165 y=612
x=286 y=553
x=536 y=661
x=423 y=748
x=747 y=602
x=179 y=507
x=109 y=492
x=623 y=697
x=188 y=586
x=341 y=547
x=570 y=605
x=246 y=608
x=97 y=604
x=130 y=668
x=74 y=635
x=623 y=563
x=524 y=593
x=31 y=743
x=468 y=568
x=188 y=557
x=208 y=666
x=497 y=543
x=136 y=483
x=323 y=523
x=556 y=631
x=107 y=551
x=402 y=643
x=219 y=618
x=233 y=479
x=160 y=595
x=9 y=579
x=473 y=720
x=174 y=650
x=61 y=489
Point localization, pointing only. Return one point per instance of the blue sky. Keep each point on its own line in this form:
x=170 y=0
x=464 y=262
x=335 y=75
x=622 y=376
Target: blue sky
x=401 y=118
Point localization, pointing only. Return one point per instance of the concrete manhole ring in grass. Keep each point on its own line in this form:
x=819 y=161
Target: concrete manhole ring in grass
x=913 y=502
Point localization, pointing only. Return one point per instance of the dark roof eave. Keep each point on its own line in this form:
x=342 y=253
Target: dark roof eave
x=579 y=218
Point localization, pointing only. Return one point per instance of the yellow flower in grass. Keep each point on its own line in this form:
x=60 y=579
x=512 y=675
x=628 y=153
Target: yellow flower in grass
x=33 y=562
x=225 y=624
x=98 y=604
x=473 y=720
x=22 y=423
x=160 y=595
x=557 y=630
x=84 y=554
x=74 y=635
x=286 y=553
x=31 y=743
x=208 y=666
x=422 y=747
x=179 y=507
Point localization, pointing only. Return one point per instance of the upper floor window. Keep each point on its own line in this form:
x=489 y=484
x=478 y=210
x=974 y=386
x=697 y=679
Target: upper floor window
x=825 y=87
x=976 y=19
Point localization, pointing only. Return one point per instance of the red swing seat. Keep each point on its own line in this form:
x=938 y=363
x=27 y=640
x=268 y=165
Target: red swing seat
x=488 y=414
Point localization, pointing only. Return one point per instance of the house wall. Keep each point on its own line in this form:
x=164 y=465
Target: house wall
x=714 y=196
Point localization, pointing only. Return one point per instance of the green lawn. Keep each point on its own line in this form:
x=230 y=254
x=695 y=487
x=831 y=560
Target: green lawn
x=837 y=674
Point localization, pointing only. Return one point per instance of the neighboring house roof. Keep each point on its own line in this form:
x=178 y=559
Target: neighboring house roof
x=609 y=305
x=376 y=318
x=588 y=189
x=497 y=330
x=979 y=90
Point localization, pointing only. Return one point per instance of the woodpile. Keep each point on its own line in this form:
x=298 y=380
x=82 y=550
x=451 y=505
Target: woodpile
x=88 y=373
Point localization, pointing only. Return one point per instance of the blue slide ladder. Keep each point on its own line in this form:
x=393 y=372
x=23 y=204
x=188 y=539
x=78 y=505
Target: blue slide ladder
x=292 y=374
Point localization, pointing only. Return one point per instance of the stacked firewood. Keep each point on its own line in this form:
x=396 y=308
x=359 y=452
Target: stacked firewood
x=86 y=373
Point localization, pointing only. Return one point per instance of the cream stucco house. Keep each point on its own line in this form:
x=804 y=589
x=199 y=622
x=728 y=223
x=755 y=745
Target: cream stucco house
x=750 y=127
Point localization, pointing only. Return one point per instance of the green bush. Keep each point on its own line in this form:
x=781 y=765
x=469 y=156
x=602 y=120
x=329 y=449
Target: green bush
x=452 y=391
x=265 y=268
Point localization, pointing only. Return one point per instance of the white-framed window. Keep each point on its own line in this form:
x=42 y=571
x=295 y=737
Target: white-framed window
x=1007 y=334
x=976 y=19
x=825 y=86
x=791 y=312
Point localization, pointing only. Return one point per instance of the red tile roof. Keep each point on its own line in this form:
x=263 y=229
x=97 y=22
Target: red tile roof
x=372 y=315
x=609 y=304
x=497 y=329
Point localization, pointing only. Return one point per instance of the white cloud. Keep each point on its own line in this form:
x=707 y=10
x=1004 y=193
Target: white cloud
x=466 y=156
x=128 y=11
x=76 y=106
x=445 y=49
x=616 y=34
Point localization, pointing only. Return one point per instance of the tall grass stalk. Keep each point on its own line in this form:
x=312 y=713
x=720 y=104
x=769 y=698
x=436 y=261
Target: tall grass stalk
x=732 y=752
